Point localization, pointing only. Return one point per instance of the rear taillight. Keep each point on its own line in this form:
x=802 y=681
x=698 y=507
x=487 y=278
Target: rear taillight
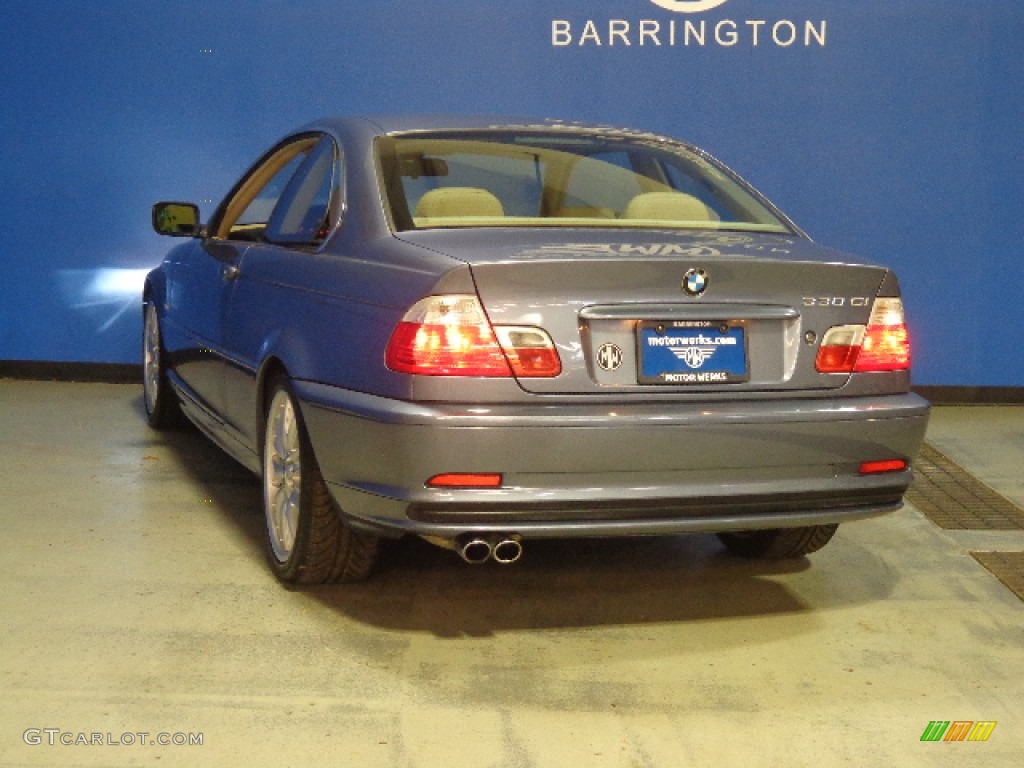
x=886 y=345
x=446 y=336
x=881 y=345
x=451 y=336
x=530 y=351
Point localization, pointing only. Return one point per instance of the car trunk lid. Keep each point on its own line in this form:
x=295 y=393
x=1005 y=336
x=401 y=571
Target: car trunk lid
x=663 y=312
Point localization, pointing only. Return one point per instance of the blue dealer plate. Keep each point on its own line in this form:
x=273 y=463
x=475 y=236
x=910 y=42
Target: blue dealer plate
x=691 y=352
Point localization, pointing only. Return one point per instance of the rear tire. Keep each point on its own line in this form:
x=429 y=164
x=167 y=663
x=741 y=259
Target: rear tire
x=162 y=408
x=307 y=540
x=778 y=543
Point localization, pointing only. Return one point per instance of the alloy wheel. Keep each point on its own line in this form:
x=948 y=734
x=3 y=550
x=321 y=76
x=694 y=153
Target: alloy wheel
x=151 y=359
x=282 y=476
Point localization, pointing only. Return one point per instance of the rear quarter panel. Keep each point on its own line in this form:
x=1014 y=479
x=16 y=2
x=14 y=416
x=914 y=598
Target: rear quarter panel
x=326 y=317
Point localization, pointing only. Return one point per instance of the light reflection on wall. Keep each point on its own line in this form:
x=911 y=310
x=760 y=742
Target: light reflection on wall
x=103 y=295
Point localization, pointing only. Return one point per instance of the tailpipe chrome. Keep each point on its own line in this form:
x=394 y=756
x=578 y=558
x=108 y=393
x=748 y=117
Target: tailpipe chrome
x=475 y=550
x=507 y=550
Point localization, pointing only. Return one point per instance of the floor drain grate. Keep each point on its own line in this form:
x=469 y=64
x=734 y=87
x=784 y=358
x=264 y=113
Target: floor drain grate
x=954 y=499
x=1008 y=567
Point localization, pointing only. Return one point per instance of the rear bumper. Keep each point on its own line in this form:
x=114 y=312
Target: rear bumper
x=588 y=469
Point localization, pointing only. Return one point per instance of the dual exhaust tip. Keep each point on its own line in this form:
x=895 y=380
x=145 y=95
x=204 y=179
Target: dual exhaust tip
x=503 y=549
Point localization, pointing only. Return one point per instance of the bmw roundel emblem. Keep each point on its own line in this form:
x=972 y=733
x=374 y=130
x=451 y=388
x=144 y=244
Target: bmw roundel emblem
x=695 y=282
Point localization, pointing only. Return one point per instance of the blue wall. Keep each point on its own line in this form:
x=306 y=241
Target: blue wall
x=899 y=139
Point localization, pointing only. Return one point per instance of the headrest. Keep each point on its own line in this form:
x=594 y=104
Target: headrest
x=451 y=202
x=668 y=206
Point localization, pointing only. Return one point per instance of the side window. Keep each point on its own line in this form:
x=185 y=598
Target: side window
x=257 y=213
x=302 y=214
x=252 y=202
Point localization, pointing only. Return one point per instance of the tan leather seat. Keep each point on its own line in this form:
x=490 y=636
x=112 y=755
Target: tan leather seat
x=454 y=202
x=668 y=206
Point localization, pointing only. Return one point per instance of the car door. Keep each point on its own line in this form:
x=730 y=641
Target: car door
x=201 y=279
x=270 y=294
x=197 y=278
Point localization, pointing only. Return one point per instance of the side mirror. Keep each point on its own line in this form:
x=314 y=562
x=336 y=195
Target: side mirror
x=176 y=219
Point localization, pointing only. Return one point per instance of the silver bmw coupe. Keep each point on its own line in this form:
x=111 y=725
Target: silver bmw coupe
x=485 y=331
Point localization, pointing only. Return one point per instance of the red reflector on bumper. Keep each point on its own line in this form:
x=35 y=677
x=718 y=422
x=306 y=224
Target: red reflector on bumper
x=466 y=480
x=878 y=467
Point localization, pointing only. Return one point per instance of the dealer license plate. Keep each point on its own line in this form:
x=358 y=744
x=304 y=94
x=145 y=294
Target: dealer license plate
x=692 y=352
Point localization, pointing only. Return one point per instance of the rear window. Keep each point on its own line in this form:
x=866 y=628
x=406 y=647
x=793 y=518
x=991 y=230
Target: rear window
x=502 y=179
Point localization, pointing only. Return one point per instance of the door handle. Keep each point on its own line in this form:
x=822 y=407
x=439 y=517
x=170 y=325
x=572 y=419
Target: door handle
x=230 y=273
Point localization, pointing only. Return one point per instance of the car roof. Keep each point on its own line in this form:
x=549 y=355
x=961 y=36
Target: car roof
x=385 y=124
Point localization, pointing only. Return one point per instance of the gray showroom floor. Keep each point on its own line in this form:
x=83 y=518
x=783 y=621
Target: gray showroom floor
x=135 y=600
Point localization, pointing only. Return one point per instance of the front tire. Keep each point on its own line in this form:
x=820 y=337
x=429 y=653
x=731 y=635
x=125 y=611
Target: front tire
x=307 y=540
x=778 y=543
x=162 y=409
